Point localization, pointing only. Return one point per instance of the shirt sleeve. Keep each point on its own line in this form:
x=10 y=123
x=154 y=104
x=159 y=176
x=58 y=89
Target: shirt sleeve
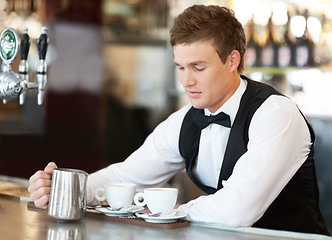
x=279 y=142
x=153 y=164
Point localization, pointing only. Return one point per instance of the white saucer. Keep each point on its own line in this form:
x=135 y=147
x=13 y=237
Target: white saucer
x=162 y=219
x=123 y=212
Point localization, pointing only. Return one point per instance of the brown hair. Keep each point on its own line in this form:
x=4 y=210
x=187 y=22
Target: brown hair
x=204 y=23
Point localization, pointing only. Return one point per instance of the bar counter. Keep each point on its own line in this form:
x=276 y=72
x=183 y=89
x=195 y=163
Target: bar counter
x=18 y=222
x=20 y=219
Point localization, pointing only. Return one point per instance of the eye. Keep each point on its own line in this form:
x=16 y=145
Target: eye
x=180 y=68
x=199 y=69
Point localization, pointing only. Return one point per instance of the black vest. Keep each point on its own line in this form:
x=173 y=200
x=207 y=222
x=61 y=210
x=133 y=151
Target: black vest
x=297 y=206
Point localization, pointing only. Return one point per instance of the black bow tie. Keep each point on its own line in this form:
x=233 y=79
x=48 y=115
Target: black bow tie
x=202 y=121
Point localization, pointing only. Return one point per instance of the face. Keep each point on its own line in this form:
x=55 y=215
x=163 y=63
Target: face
x=208 y=82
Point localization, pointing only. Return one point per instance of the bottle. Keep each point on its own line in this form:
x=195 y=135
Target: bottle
x=304 y=49
x=252 y=55
x=269 y=56
x=323 y=50
x=286 y=47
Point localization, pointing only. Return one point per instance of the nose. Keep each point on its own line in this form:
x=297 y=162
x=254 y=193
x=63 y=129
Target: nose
x=186 y=78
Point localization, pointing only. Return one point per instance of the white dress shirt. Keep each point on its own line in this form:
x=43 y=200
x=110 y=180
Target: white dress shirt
x=213 y=146
x=279 y=142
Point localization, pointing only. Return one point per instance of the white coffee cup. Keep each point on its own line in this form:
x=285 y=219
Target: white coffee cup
x=158 y=200
x=118 y=195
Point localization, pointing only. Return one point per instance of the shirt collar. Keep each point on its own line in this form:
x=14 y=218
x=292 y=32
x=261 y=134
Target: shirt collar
x=231 y=106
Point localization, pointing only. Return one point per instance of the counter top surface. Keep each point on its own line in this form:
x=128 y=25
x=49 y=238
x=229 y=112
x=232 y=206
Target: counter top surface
x=19 y=221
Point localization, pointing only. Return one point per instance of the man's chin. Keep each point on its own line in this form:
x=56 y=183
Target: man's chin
x=197 y=106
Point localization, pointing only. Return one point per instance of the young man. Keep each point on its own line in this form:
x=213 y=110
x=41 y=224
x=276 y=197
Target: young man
x=255 y=161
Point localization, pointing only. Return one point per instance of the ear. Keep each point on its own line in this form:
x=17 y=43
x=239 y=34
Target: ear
x=234 y=58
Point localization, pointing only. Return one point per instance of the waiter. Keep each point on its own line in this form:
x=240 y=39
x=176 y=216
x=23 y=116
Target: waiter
x=242 y=142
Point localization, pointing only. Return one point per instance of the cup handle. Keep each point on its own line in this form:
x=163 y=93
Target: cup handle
x=137 y=197
x=99 y=191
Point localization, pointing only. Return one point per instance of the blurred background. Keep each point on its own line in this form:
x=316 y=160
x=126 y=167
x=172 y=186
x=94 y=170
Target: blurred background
x=111 y=77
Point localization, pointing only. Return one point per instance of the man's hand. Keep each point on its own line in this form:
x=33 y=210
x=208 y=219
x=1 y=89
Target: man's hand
x=40 y=186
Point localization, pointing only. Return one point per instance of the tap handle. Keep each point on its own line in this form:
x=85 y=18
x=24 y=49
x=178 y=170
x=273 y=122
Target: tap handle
x=25 y=44
x=42 y=44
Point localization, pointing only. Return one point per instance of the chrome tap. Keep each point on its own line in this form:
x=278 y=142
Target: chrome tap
x=15 y=85
x=23 y=68
x=42 y=67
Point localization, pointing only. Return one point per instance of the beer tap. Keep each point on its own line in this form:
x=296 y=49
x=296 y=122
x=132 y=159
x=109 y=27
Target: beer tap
x=23 y=68
x=12 y=84
x=42 y=45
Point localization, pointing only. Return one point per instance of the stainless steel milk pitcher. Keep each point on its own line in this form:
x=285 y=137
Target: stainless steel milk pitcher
x=68 y=194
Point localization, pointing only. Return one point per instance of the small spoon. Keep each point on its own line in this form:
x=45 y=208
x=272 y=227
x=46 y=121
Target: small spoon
x=115 y=209
x=159 y=213
x=155 y=214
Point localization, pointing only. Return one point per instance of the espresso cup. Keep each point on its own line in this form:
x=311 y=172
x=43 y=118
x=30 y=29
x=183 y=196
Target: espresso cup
x=118 y=195
x=158 y=200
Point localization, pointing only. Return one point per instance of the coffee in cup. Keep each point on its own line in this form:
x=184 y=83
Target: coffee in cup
x=158 y=200
x=118 y=195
